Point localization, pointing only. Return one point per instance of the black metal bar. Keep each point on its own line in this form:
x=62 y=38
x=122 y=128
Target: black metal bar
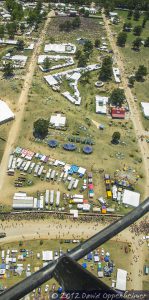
x=24 y=287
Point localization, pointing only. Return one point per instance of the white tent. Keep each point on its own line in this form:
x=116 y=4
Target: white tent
x=5 y=113
x=131 y=198
x=47 y=255
x=58 y=120
x=145 y=108
x=121 y=280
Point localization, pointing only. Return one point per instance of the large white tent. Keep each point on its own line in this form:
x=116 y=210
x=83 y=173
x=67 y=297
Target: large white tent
x=145 y=108
x=121 y=280
x=131 y=198
x=5 y=113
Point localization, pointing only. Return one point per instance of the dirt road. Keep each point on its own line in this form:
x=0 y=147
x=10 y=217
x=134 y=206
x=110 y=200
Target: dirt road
x=135 y=116
x=14 y=131
x=139 y=130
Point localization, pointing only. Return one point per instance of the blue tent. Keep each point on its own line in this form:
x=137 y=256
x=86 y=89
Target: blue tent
x=106 y=259
x=69 y=147
x=60 y=290
x=52 y=143
x=87 y=149
x=84 y=265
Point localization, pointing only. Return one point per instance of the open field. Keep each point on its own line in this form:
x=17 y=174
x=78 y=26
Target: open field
x=121 y=261
x=133 y=59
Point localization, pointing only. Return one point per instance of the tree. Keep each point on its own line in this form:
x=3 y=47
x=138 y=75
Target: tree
x=97 y=43
x=140 y=73
x=117 y=97
x=146 y=44
x=116 y=137
x=121 y=39
x=8 y=70
x=46 y=63
x=106 y=71
x=144 y=22
x=136 y=15
x=20 y=45
x=86 y=13
x=76 y=23
x=82 y=62
x=127 y=26
x=88 y=46
x=137 y=30
x=137 y=44
x=11 y=29
x=78 y=54
x=131 y=81
x=85 y=77
x=40 y=128
x=2 y=30
x=129 y=15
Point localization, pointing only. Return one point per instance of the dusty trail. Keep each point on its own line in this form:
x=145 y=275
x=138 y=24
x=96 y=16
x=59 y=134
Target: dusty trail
x=139 y=130
x=15 y=128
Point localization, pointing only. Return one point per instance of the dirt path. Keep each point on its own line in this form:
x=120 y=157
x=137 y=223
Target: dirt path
x=135 y=116
x=68 y=229
x=139 y=130
x=14 y=131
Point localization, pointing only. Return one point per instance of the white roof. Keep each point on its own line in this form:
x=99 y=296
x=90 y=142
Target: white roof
x=81 y=170
x=145 y=107
x=21 y=58
x=121 y=280
x=47 y=255
x=30 y=47
x=51 y=80
x=101 y=104
x=5 y=113
x=58 y=120
x=116 y=73
x=131 y=198
x=60 y=48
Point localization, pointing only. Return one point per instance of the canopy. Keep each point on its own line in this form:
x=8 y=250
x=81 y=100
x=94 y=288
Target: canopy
x=87 y=149
x=52 y=143
x=69 y=147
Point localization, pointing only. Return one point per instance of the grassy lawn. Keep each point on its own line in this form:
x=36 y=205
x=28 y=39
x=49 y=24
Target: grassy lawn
x=134 y=59
x=120 y=261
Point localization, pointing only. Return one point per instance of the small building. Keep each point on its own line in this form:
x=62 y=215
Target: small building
x=118 y=112
x=58 y=120
x=145 y=109
x=101 y=104
x=5 y=113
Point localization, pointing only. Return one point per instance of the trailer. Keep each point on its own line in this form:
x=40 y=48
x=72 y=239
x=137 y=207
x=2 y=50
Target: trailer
x=57 y=198
x=3 y=254
x=48 y=175
x=65 y=177
x=70 y=186
x=27 y=166
x=41 y=202
x=53 y=174
x=47 y=195
x=78 y=196
x=14 y=163
x=76 y=183
x=36 y=169
x=19 y=163
x=23 y=166
x=35 y=203
x=76 y=201
x=32 y=166
x=20 y=194
x=40 y=171
x=10 y=161
x=96 y=209
x=51 y=197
